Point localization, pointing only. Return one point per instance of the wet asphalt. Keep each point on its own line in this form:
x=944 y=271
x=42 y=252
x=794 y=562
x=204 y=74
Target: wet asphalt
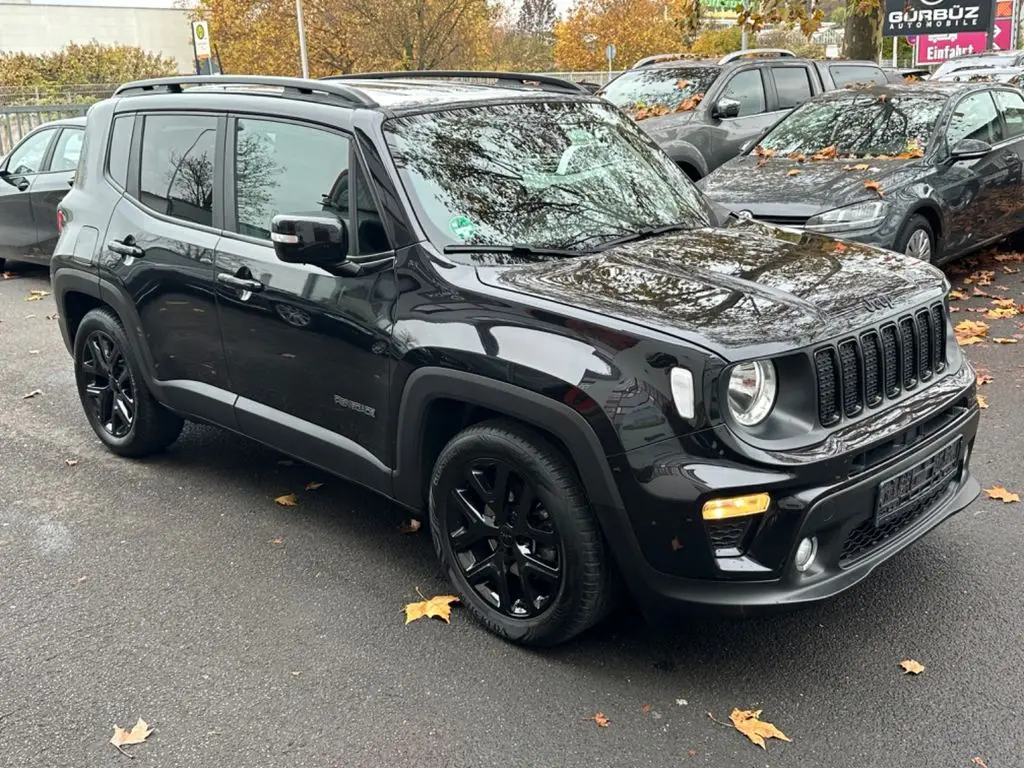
x=250 y=635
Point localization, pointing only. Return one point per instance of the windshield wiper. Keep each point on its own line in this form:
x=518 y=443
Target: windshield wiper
x=643 y=234
x=526 y=251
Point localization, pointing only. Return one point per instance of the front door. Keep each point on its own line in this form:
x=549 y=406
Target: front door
x=1011 y=105
x=50 y=187
x=307 y=350
x=17 y=227
x=731 y=133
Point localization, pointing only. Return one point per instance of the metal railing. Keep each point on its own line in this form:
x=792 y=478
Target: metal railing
x=17 y=122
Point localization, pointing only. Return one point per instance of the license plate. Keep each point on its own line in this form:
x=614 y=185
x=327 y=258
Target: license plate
x=901 y=491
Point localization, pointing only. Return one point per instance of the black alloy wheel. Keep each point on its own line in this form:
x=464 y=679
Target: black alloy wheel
x=504 y=540
x=108 y=384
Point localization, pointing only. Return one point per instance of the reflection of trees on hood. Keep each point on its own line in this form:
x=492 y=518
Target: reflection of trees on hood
x=543 y=174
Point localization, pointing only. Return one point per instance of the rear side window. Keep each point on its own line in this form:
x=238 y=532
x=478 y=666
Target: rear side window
x=68 y=150
x=791 y=85
x=120 y=146
x=176 y=169
x=1012 y=107
x=748 y=89
x=847 y=74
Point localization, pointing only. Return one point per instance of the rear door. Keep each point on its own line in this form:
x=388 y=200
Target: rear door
x=731 y=133
x=17 y=175
x=306 y=347
x=52 y=184
x=159 y=248
x=1011 y=105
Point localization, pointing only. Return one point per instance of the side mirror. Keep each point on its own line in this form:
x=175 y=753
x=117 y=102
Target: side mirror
x=969 y=149
x=309 y=238
x=726 y=108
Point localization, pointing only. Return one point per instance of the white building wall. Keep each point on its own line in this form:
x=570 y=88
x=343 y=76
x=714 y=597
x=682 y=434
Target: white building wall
x=31 y=28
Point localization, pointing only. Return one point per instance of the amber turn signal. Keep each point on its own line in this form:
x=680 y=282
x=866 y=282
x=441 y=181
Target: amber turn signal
x=737 y=506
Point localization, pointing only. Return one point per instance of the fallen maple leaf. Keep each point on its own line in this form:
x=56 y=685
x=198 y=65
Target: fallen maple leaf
x=799 y=157
x=870 y=184
x=313 y=485
x=600 y=719
x=957 y=294
x=981 y=277
x=978 y=762
x=138 y=734
x=36 y=295
x=33 y=393
x=748 y=723
x=912 y=667
x=982 y=402
x=828 y=153
x=793 y=172
x=277 y=542
x=999 y=493
x=440 y=606
x=288 y=500
x=1005 y=303
x=981 y=379
x=969 y=332
x=1001 y=313
x=412 y=525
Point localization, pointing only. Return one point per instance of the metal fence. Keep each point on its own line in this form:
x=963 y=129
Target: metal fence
x=16 y=122
x=29 y=95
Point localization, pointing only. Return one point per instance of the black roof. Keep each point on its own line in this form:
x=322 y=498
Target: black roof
x=940 y=88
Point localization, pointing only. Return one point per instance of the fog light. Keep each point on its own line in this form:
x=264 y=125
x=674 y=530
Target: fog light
x=805 y=552
x=737 y=506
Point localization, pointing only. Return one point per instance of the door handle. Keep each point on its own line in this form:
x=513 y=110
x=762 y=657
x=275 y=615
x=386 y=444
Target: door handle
x=126 y=248
x=241 y=283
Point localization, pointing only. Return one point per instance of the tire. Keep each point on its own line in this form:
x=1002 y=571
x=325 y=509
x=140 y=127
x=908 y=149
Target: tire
x=558 y=532
x=110 y=384
x=915 y=228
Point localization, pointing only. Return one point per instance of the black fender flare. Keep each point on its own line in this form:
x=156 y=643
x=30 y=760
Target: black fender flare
x=684 y=152
x=556 y=418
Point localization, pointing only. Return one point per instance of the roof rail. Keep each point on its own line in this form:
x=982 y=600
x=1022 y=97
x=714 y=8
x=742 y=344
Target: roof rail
x=646 y=61
x=756 y=53
x=547 y=82
x=351 y=96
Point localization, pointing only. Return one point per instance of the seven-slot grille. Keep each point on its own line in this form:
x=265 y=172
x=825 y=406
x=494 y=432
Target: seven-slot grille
x=863 y=371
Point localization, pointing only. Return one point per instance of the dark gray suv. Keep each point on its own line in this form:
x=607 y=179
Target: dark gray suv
x=703 y=112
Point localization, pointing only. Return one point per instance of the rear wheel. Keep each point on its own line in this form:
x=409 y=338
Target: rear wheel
x=917 y=239
x=119 y=406
x=513 y=530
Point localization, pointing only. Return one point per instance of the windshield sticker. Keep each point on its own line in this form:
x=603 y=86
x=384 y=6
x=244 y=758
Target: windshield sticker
x=462 y=227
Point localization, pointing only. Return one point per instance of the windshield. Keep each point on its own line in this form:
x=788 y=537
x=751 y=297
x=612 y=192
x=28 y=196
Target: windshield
x=566 y=175
x=867 y=124
x=660 y=90
x=974 y=62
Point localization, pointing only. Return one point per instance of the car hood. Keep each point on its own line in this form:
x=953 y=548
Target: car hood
x=814 y=187
x=665 y=124
x=742 y=291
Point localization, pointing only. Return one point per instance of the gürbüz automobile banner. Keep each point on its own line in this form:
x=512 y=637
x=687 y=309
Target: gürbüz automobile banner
x=936 y=17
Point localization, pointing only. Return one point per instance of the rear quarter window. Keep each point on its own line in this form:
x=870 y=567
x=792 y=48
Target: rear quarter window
x=119 y=149
x=848 y=74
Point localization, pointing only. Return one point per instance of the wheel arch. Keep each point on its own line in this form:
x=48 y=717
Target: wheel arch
x=930 y=212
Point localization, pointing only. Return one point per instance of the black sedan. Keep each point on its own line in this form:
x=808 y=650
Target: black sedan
x=932 y=170
x=34 y=177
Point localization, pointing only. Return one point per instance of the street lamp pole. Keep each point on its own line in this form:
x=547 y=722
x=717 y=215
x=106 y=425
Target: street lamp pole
x=302 y=38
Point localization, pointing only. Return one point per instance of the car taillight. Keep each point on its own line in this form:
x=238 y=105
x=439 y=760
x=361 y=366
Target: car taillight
x=60 y=221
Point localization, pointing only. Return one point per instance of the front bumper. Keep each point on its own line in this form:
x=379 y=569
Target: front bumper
x=686 y=576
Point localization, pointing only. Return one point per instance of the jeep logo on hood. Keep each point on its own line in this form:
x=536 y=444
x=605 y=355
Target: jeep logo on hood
x=936 y=17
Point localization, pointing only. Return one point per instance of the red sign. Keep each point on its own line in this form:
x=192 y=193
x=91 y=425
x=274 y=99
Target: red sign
x=935 y=49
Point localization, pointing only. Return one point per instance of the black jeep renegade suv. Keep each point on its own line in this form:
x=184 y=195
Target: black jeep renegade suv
x=502 y=306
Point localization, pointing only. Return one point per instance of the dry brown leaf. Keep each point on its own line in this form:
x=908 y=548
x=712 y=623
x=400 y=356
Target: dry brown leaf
x=33 y=393
x=1005 y=303
x=840 y=247
x=1001 y=313
x=957 y=294
x=969 y=332
x=312 y=485
x=683 y=84
x=1004 y=340
x=871 y=184
x=690 y=104
x=440 y=606
x=793 y=172
x=982 y=402
x=977 y=761
x=798 y=156
x=645 y=708
x=982 y=378
x=748 y=723
x=600 y=719
x=138 y=734
x=71 y=462
x=676 y=544
x=981 y=277
x=9 y=276
x=288 y=500
x=36 y=295
x=412 y=525
x=999 y=493
x=912 y=667
x=828 y=153
x=277 y=542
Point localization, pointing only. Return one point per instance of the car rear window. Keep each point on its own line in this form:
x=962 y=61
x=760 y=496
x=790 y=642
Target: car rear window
x=667 y=88
x=847 y=74
x=975 y=62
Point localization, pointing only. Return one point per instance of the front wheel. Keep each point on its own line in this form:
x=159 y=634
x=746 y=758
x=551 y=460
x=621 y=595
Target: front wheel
x=514 y=532
x=917 y=239
x=119 y=406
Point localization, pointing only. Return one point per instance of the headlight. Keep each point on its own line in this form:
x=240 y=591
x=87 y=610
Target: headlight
x=752 y=390
x=857 y=216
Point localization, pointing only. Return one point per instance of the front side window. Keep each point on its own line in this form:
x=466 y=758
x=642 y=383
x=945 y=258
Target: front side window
x=975 y=117
x=176 y=170
x=748 y=89
x=1012 y=107
x=28 y=158
x=859 y=124
x=538 y=174
x=68 y=150
x=791 y=85
x=660 y=89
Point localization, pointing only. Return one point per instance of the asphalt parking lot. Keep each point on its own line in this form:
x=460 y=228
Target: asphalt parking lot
x=249 y=634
